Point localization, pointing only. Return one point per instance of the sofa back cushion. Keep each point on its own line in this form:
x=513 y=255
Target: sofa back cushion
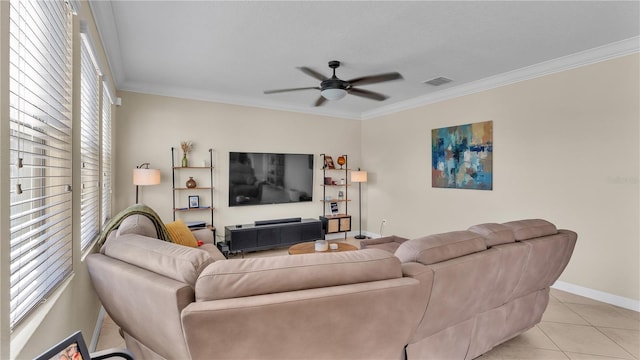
x=440 y=247
x=256 y=276
x=531 y=228
x=137 y=224
x=494 y=234
x=174 y=261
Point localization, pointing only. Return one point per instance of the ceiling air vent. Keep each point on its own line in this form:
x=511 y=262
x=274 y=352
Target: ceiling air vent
x=438 y=81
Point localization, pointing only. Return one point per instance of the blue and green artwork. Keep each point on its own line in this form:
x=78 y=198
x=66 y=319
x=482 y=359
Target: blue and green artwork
x=462 y=156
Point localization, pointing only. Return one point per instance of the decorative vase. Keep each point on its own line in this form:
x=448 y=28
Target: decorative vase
x=185 y=162
x=341 y=161
x=191 y=183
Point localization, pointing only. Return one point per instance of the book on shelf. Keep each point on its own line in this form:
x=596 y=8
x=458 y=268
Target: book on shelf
x=195 y=224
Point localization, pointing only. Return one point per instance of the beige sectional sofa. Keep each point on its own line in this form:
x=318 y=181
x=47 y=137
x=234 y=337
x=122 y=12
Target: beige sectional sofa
x=445 y=296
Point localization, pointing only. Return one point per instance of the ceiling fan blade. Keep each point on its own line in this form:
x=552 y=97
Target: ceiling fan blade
x=321 y=100
x=293 y=89
x=367 y=94
x=313 y=73
x=372 y=79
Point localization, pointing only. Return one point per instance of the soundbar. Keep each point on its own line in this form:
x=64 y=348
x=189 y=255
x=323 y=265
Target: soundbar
x=277 y=221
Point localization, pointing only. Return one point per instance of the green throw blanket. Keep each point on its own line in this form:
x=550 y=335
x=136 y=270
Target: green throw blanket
x=137 y=209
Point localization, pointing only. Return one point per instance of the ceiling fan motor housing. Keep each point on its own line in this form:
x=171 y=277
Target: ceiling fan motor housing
x=335 y=83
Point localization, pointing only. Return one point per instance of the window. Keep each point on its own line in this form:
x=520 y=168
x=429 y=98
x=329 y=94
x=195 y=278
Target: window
x=106 y=156
x=40 y=151
x=89 y=146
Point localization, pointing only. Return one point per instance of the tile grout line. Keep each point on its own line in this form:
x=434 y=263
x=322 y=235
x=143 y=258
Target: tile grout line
x=549 y=337
x=615 y=342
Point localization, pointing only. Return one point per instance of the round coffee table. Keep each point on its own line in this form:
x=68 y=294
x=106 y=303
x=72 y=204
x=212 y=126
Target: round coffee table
x=310 y=248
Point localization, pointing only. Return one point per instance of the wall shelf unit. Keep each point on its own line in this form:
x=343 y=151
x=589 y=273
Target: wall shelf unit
x=203 y=190
x=335 y=193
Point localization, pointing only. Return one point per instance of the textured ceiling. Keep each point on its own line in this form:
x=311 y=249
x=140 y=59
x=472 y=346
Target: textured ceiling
x=231 y=51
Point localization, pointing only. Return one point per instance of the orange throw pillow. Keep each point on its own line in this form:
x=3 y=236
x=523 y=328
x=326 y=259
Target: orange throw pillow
x=181 y=234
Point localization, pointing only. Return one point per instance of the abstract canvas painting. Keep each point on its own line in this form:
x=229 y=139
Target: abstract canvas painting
x=462 y=156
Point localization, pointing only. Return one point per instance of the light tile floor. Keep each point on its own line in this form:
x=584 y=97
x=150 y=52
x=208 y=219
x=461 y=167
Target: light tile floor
x=572 y=327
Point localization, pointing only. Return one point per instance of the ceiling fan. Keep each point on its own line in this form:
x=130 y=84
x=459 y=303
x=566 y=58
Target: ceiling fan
x=334 y=88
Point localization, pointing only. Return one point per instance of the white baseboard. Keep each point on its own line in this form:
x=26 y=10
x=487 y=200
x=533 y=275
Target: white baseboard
x=96 y=331
x=598 y=295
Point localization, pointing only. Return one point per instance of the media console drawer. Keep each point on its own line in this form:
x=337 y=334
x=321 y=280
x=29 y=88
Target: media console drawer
x=252 y=237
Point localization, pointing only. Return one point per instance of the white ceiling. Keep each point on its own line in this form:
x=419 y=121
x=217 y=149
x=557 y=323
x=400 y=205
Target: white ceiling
x=230 y=51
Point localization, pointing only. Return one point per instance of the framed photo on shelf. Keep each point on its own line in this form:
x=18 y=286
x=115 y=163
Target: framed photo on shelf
x=334 y=208
x=328 y=162
x=194 y=201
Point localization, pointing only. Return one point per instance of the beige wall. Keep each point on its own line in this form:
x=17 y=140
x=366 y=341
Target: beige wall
x=148 y=126
x=565 y=149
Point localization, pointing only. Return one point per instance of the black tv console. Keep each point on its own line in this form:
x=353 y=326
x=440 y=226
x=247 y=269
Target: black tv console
x=270 y=234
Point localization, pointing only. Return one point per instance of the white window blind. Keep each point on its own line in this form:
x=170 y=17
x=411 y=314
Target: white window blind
x=106 y=156
x=89 y=147
x=40 y=151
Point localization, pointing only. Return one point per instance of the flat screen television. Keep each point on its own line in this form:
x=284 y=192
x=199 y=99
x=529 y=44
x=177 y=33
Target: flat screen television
x=269 y=178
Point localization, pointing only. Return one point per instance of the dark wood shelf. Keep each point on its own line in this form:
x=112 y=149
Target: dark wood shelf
x=195 y=188
x=193 y=209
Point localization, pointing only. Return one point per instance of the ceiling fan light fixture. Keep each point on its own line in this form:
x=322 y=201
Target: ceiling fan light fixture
x=333 y=94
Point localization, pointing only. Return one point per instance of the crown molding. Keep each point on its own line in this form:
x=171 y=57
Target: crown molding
x=583 y=58
x=197 y=95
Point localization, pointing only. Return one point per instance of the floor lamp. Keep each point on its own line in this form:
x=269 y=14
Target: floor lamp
x=142 y=175
x=359 y=177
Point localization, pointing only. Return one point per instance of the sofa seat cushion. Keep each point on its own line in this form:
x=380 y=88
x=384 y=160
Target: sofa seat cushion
x=440 y=247
x=174 y=261
x=531 y=228
x=257 y=276
x=494 y=234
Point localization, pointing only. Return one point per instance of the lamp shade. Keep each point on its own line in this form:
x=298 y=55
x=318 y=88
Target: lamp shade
x=333 y=94
x=143 y=176
x=358 y=176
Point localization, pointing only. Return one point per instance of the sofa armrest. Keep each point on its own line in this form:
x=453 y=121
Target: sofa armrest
x=146 y=305
x=387 y=243
x=383 y=240
x=205 y=235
